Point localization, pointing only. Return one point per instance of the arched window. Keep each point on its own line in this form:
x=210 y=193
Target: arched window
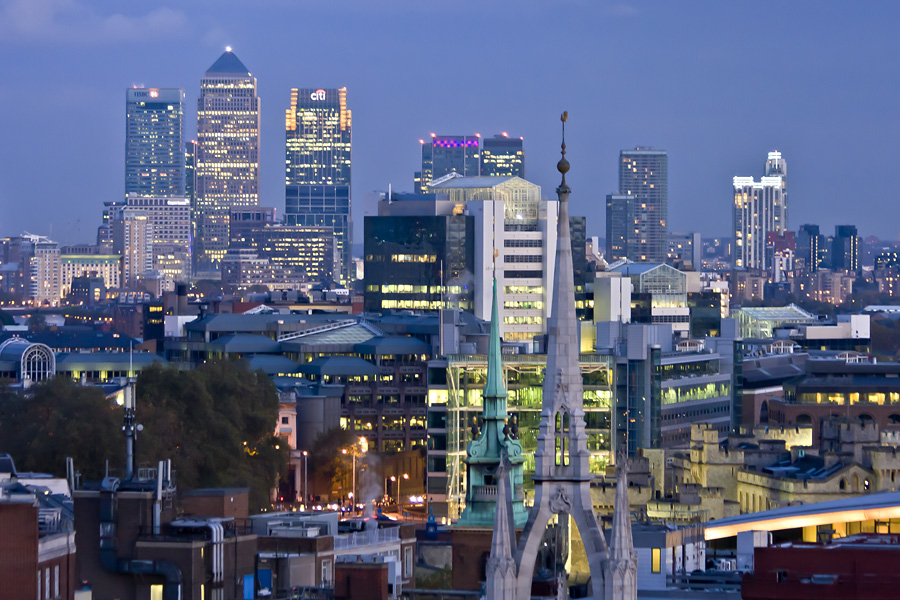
x=562 y=438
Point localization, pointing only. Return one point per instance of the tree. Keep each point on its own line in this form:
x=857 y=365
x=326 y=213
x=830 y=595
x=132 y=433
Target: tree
x=215 y=423
x=59 y=418
x=6 y=318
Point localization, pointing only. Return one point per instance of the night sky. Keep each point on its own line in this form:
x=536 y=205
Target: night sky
x=717 y=83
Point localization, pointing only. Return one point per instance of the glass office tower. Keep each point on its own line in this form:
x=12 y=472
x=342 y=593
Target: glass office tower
x=154 y=163
x=227 y=161
x=503 y=156
x=317 y=167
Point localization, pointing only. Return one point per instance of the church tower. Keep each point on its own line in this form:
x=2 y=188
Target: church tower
x=562 y=475
x=496 y=438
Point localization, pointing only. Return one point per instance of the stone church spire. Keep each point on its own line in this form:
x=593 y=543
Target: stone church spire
x=501 y=565
x=562 y=477
x=621 y=566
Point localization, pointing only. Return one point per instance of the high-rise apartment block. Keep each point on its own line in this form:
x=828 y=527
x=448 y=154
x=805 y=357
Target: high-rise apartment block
x=132 y=233
x=809 y=240
x=31 y=269
x=503 y=156
x=760 y=207
x=317 y=167
x=637 y=217
x=154 y=158
x=227 y=160
x=445 y=154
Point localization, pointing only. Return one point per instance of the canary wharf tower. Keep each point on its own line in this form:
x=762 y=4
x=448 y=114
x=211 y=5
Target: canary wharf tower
x=227 y=162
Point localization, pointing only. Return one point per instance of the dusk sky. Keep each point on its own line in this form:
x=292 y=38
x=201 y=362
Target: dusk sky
x=717 y=84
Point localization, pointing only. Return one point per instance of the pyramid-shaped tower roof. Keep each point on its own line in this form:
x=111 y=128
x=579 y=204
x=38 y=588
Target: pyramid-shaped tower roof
x=229 y=64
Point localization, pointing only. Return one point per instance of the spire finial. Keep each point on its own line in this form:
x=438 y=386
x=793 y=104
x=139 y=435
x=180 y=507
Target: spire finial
x=563 y=165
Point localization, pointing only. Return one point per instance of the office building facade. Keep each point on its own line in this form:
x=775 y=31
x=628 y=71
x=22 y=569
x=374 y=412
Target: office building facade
x=246 y=219
x=503 y=156
x=845 y=249
x=444 y=154
x=637 y=216
x=318 y=133
x=132 y=233
x=154 y=159
x=227 y=160
x=419 y=255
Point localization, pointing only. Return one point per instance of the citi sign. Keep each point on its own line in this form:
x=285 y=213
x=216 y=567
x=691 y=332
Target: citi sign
x=317 y=95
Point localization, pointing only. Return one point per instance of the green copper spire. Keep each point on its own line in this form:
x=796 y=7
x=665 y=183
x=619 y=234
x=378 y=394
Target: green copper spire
x=495 y=387
x=495 y=438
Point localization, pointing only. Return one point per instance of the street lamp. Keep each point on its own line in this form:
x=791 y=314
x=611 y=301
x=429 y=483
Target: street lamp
x=305 y=478
x=392 y=478
x=399 y=497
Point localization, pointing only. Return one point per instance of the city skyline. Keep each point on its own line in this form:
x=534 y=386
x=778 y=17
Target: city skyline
x=681 y=96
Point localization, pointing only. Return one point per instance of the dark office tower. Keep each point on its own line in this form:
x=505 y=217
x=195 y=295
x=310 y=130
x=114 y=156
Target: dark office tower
x=643 y=174
x=244 y=221
x=154 y=163
x=444 y=154
x=619 y=225
x=503 y=156
x=317 y=167
x=227 y=161
x=808 y=251
x=419 y=255
x=845 y=249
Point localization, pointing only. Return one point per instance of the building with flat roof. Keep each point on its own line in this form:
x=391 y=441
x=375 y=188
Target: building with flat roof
x=445 y=154
x=640 y=210
x=154 y=153
x=318 y=128
x=503 y=156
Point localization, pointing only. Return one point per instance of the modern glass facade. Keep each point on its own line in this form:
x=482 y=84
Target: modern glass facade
x=303 y=250
x=318 y=128
x=403 y=262
x=227 y=163
x=455 y=404
x=154 y=163
x=444 y=154
x=503 y=156
x=324 y=206
x=643 y=174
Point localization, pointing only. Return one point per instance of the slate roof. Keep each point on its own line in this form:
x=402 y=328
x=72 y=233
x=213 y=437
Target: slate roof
x=395 y=344
x=339 y=366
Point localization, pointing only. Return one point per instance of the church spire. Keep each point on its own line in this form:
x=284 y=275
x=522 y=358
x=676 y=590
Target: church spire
x=495 y=387
x=501 y=566
x=621 y=566
x=496 y=438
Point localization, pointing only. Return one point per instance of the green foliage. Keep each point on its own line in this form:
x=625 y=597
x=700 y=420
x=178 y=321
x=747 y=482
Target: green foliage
x=58 y=419
x=216 y=423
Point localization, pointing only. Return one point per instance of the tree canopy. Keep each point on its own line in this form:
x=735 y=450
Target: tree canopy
x=59 y=418
x=216 y=423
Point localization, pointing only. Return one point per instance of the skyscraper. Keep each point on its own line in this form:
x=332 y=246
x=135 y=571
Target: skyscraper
x=503 y=156
x=444 y=154
x=154 y=163
x=643 y=175
x=845 y=249
x=760 y=207
x=317 y=167
x=227 y=161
